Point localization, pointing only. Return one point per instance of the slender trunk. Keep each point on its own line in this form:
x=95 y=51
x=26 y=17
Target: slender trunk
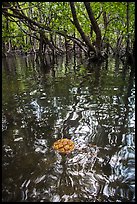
x=94 y=25
x=41 y=44
x=77 y=25
x=106 y=43
x=74 y=47
x=30 y=31
x=105 y=20
x=127 y=47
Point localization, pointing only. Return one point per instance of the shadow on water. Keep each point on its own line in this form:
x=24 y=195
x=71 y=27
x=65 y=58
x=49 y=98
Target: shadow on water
x=91 y=104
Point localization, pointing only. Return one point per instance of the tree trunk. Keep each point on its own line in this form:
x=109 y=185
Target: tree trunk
x=94 y=26
x=106 y=43
x=77 y=25
x=127 y=47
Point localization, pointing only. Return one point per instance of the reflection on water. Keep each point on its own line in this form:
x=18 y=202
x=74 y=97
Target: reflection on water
x=89 y=104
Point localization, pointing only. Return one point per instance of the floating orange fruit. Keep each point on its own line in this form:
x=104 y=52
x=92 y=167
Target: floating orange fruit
x=64 y=145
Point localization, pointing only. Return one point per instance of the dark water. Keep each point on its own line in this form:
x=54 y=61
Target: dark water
x=93 y=106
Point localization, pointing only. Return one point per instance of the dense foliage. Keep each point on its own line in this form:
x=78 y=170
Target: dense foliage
x=54 y=26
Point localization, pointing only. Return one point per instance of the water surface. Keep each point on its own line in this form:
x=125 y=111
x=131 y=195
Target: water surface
x=91 y=104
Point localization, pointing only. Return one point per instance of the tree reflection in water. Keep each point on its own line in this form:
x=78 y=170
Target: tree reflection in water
x=96 y=107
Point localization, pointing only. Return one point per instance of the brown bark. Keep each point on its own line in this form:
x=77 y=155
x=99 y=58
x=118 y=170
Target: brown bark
x=77 y=25
x=127 y=47
x=94 y=25
x=105 y=20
